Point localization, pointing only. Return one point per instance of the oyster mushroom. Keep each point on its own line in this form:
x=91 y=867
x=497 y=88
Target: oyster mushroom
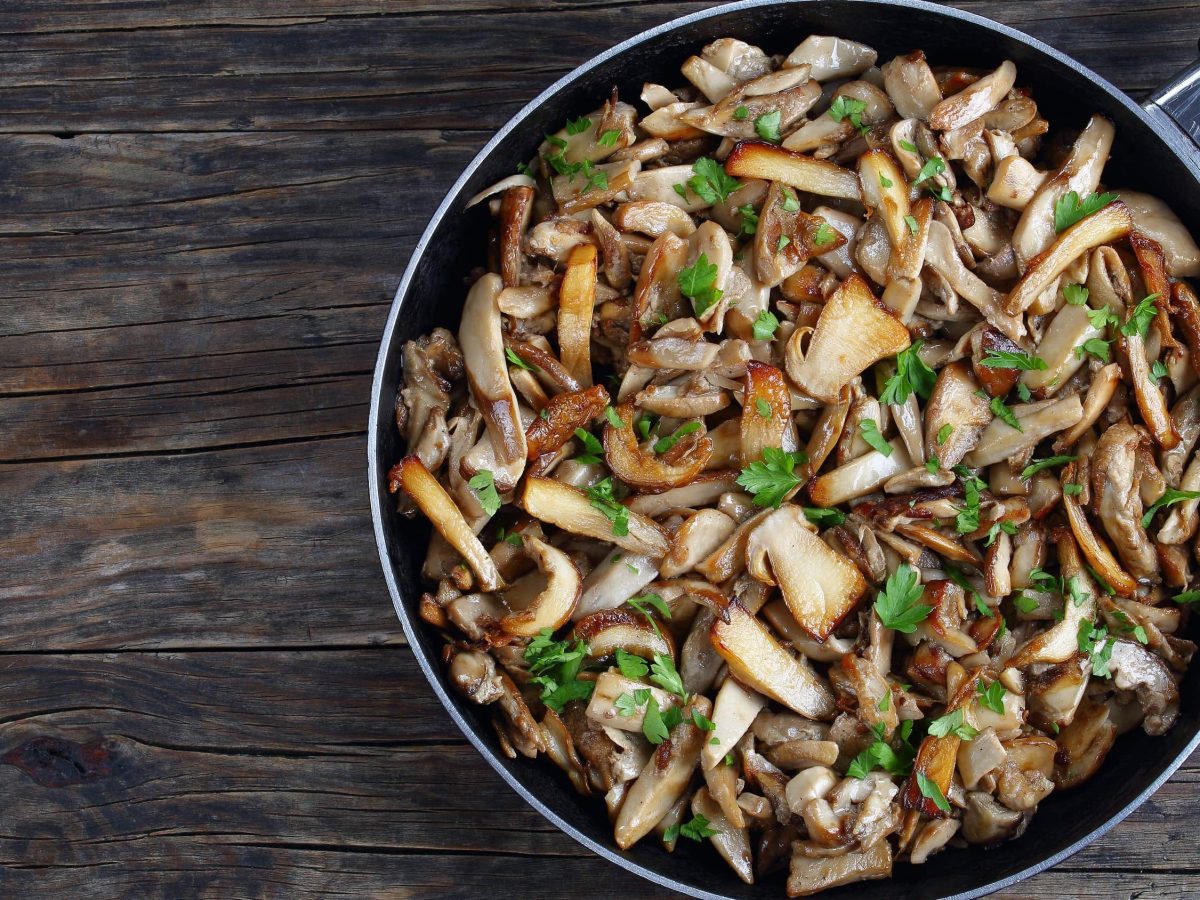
x=553 y=605
x=1134 y=668
x=1117 y=466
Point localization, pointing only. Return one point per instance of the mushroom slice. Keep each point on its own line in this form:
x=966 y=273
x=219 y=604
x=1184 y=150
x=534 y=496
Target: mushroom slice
x=653 y=471
x=411 y=476
x=561 y=415
x=1186 y=308
x=766 y=412
x=1015 y=183
x=615 y=579
x=1069 y=330
x=786 y=237
x=729 y=559
x=482 y=343
x=705 y=489
x=653 y=218
x=602 y=707
x=572 y=510
x=1116 y=468
x=657 y=291
x=576 y=299
x=1157 y=221
x=1053 y=695
x=757 y=659
x=1083 y=744
x=911 y=85
x=609 y=630
x=810 y=874
x=819 y=585
x=734 y=712
x=554 y=605
x=860 y=476
x=516 y=206
x=732 y=841
x=1060 y=643
x=1000 y=440
x=786 y=94
x=854 y=331
x=954 y=402
x=666 y=122
x=1093 y=546
x=1150 y=400
x=876 y=169
x=664 y=779
x=942 y=256
x=659 y=184
x=1099 y=395
x=831 y=57
x=754 y=159
x=695 y=540
x=1134 y=668
x=1103 y=227
x=937 y=758
x=974 y=100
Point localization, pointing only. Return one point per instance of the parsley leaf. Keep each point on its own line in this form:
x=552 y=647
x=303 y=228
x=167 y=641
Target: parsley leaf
x=593 y=450
x=631 y=666
x=819 y=516
x=967 y=519
x=870 y=433
x=655 y=602
x=1102 y=318
x=953 y=723
x=741 y=113
x=578 y=126
x=653 y=726
x=781 y=244
x=770 y=478
x=554 y=665
x=825 y=234
x=662 y=445
x=1158 y=371
x=664 y=674
x=1187 y=597
x=613 y=419
x=1095 y=346
x=882 y=755
x=1098 y=645
x=767 y=126
x=1169 y=498
x=698 y=282
x=929 y=788
x=513 y=539
x=1023 y=392
x=762 y=407
x=701 y=721
x=517 y=361
x=1069 y=209
x=844 y=107
x=911 y=222
x=709 y=181
x=1140 y=318
x=944 y=433
x=911 y=375
x=1039 y=465
x=1075 y=294
x=994 y=532
x=601 y=495
x=992 y=696
x=485 y=489
x=1001 y=411
x=1005 y=359
x=1072 y=490
x=765 y=325
x=884 y=181
x=935 y=165
x=609 y=138
x=1024 y=604
x=749 y=220
x=697 y=829
x=897 y=606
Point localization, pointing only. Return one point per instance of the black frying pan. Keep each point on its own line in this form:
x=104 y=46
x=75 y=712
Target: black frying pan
x=1153 y=152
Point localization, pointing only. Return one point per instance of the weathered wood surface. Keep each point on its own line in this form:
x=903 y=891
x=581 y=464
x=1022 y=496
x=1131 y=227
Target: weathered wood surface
x=206 y=210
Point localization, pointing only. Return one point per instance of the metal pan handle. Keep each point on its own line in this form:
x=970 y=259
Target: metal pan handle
x=1176 y=107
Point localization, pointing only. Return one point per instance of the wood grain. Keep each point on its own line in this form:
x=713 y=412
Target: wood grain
x=244 y=774
x=208 y=206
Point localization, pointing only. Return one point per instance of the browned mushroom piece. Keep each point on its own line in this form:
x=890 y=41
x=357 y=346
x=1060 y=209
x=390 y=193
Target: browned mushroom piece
x=904 y=426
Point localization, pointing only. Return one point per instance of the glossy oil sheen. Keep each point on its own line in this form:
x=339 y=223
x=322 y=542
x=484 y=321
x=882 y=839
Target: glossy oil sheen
x=434 y=287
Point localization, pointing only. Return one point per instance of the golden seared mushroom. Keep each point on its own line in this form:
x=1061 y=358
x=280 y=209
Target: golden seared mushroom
x=819 y=585
x=757 y=659
x=853 y=332
x=799 y=403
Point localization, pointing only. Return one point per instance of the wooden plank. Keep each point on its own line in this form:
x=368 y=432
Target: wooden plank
x=393 y=71
x=266 y=546
x=184 y=774
x=238 y=297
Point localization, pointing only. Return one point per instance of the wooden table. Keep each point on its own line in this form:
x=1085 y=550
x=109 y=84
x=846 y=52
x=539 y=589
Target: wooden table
x=207 y=207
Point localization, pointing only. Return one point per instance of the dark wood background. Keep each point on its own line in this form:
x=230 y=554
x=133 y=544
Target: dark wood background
x=206 y=210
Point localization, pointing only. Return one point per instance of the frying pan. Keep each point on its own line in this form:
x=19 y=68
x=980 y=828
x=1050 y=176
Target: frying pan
x=1155 y=151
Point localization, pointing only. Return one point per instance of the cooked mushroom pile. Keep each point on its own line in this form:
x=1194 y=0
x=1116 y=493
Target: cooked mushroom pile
x=813 y=468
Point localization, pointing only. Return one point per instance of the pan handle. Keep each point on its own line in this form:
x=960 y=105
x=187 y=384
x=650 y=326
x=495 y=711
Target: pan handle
x=1176 y=107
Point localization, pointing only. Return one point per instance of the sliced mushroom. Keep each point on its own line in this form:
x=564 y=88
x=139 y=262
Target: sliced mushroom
x=752 y=159
x=733 y=713
x=649 y=470
x=911 y=85
x=1116 y=489
x=571 y=510
x=811 y=874
x=1134 y=668
x=831 y=57
x=819 y=585
x=1000 y=440
x=954 y=404
x=554 y=604
x=757 y=659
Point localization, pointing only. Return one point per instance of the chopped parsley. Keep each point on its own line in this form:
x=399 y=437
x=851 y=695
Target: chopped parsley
x=593 y=450
x=1071 y=489
x=825 y=234
x=657 y=723
x=609 y=138
x=613 y=419
x=664 y=674
x=769 y=479
x=1069 y=209
x=765 y=325
x=911 y=222
x=1005 y=359
x=1140 y=318
x=515 y=360
x=882 y=755
x=508 y=537
x=911 y=375
x=929 y=788
x=884 y=181
x=967 y=519
x=897 y=604
x=1097 y=643
x=1158 y=371
x=991 y=696
x=709 y=181
x=762 y=407
x=749 y=220
x=554 y=665
x=741 y=113
x=578 y=126
x=663 y=444
x=819 y=516
x=697 y=829
x=1040 y=465
x=698 y=282
x=1187 y=597
x=767 y=126
x=871 y=434
x=994 y=532
x=1001 y=411
x=935 y=165
x=601 y=495
x=655 y=602
x=1075 y=294
x=628 y=704
x=485 y=489
x=944 y=433
x=844 y=107
x=631 y=666
x=781 y=244
x=1170 y=497
x=954 y=723
x=1098 y=347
